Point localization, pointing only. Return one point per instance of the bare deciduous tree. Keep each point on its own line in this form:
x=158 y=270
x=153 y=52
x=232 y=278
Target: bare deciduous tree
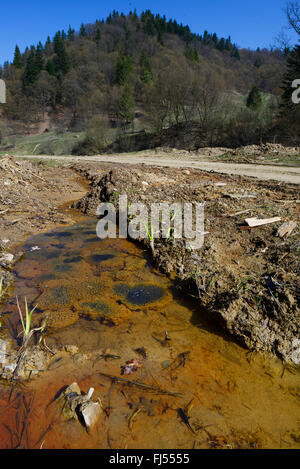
x=293 y=14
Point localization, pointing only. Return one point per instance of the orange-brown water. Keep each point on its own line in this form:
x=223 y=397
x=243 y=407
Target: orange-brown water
x=104 y=296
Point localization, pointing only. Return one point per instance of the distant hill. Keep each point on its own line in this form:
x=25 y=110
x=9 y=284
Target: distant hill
x=115 y=70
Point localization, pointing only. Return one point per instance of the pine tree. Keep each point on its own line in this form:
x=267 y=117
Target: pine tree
x=18 y=62
x=39 y=58
x=123 y=69
x=149 y=28
x=127 y=32
x=48 y=48
x=235 y=53
x=71 y=34
x=62 y=63
x=98 y=37
x=82 y=31
x=192 y=54
x=50 y=67
x=146 y=70
x=127 y=105
x=221 y=45
x=228 y=44
x=31 y=70
x=257 y=63
x=254 y=100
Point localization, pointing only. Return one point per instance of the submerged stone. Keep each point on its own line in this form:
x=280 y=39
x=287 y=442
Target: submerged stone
x=59 y=234
x=140 y=294
x=73 y=260
x=96 y=258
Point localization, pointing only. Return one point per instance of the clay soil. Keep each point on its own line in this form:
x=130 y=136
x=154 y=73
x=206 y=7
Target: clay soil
x=247 y=279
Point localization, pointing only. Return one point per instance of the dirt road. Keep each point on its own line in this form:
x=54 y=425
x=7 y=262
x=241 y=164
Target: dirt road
x=263 y=172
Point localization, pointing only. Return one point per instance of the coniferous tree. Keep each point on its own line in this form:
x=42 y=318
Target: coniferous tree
x=235 y=53
x=254 y=100
x=221 y=45
x=146 y=70
x=228 y=44
x=257 y=63
x=62 y=63
x=71 y=34
x=18 y=62
x=31 y=70
x=192 y=54
x=127 y=105
x=39 y=58
x=82 y=31
x=98 y=36
x=50 y=67
x=149 y=28
x=48 y=46
x=123 y=69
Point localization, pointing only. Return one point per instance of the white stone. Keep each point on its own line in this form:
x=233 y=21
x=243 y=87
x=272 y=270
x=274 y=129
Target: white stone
x=90 y=413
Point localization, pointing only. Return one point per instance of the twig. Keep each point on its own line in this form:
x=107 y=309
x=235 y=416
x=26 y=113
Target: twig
x=142 y=385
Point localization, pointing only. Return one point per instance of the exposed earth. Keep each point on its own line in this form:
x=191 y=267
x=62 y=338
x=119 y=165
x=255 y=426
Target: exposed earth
x=184 y=159
x=244 y=280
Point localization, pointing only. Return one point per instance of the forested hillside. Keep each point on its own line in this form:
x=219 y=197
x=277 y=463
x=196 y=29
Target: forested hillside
x=143 y=73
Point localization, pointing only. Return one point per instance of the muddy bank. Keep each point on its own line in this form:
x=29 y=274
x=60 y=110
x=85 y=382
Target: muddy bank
x=247 y=279
x=31 y=197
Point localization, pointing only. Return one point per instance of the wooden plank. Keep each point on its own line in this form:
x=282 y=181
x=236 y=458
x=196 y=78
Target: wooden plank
x=285 y=230
x=253 y=222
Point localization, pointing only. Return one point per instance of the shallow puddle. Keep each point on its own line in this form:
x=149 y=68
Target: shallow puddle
x=104 y=297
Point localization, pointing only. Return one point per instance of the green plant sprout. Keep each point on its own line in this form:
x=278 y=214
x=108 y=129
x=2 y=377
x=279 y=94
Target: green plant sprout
x=150 y=235
x=27 y=331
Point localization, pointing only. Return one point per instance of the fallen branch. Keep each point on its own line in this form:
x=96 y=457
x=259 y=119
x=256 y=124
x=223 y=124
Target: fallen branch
x=116 y=379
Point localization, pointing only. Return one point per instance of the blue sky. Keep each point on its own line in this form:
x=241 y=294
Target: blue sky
x=251 y=23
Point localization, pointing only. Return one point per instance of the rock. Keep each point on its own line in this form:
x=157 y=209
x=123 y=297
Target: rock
x=33 y=361
x=6 y=259
x=71 y=389
x=90 y=412
x=78 y=406
x=72 y=349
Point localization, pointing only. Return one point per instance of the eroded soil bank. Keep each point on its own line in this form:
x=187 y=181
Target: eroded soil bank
x=248 y=279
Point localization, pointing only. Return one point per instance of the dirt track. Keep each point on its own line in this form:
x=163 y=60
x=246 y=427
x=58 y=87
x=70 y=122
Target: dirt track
x=263 y=172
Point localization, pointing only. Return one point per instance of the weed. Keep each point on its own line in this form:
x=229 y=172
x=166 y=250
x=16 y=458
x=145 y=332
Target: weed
x=243 y=283
x=150 y=236
x=27 y=331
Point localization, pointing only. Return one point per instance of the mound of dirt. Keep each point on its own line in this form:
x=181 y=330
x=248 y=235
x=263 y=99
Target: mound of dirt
x=247 y=279
x=266 y=149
